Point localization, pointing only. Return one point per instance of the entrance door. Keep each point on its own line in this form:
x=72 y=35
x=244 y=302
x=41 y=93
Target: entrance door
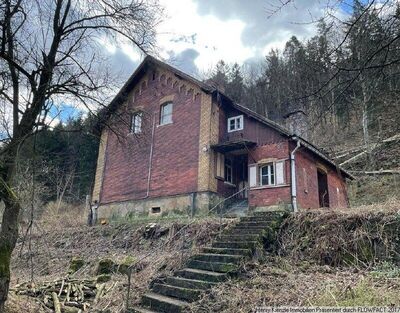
x=323 y=189
x=242 y=177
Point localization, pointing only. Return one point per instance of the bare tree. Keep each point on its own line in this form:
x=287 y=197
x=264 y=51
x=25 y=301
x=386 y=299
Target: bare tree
x=49 y=52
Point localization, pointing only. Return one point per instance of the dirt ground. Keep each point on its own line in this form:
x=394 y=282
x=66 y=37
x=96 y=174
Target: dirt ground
x=46 y=254
x=272 y=281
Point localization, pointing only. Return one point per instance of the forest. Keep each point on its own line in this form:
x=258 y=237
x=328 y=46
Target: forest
x=345 y=80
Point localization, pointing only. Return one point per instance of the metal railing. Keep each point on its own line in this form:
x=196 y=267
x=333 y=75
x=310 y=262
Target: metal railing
x=181 y=231
x=222 y=207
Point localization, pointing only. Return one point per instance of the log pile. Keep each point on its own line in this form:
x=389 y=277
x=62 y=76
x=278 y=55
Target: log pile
x=65 y=295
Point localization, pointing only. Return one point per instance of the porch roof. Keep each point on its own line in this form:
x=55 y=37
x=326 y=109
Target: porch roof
x=228 y=146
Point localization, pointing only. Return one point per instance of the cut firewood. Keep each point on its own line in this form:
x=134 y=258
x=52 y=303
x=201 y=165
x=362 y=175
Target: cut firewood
x=56 y=303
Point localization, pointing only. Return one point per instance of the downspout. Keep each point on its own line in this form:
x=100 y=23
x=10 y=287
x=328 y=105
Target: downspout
x=150 y=157
x=293 y=176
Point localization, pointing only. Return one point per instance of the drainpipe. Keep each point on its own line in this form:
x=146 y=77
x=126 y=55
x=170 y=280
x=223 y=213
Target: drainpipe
x=150 y=157
x=293 y=176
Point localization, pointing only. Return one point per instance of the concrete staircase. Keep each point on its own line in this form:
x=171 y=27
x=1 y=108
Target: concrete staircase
x=238 y=208
x=213 y=265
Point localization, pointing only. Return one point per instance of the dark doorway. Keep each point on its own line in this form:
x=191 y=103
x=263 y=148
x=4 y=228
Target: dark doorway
x=242 y=176
x=323 y=189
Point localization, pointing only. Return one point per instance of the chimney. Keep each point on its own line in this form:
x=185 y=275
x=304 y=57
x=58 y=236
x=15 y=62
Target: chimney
x=296 y=122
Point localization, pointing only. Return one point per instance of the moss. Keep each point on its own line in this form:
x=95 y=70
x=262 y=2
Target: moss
x=76 y=264
x=5 y=256
x=106 y=266
x=103 y=278
x=227 y=267
x=123 y=267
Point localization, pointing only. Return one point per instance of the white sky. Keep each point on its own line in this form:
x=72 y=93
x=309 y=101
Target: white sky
x=196 y=34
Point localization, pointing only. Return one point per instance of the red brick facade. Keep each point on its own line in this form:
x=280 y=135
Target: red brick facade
x=164 y=160
x=175 y=146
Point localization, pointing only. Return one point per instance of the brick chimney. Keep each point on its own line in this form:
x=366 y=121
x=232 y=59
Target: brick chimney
x=297 y=123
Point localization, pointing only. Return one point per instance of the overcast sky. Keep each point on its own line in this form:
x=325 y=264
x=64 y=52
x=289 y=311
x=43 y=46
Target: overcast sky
x=195 y=34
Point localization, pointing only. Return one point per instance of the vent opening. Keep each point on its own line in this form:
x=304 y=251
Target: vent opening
x=155 y=210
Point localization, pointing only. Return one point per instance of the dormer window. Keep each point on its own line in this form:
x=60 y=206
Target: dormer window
x=235 y=123
x=136 y=123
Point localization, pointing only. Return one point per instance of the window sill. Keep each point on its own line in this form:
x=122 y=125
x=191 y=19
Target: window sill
x=229 y=184
x=166 y=124
x=235 y=130
x=269 y=187
x=219 y=178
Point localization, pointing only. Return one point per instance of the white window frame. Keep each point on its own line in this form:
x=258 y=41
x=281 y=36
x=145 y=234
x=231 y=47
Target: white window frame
x=255 y=174
x=166 y=119
x=271 y=174
x=238 y=123
x=136 y=123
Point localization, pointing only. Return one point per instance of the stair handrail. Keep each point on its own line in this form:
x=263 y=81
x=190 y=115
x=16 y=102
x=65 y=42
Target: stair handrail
x=230 y=197
x=184 y=228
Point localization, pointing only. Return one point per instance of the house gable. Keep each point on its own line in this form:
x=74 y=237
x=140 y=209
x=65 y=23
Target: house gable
x=163 y=160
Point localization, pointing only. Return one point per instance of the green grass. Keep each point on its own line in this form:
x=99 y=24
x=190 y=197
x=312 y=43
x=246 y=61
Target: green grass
x=365 y=293
x=386 y=270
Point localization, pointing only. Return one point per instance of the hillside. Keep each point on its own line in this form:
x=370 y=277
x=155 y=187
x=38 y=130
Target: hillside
x=313 y=268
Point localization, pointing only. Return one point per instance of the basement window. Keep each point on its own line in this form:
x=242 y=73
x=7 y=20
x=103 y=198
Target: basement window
x=155 y=210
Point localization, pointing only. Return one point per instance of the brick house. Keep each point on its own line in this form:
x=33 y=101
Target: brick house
x=176 y=143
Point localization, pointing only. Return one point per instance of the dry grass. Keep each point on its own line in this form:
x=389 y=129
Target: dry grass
x=280 y=282
x=54 y=244
x=359 y=237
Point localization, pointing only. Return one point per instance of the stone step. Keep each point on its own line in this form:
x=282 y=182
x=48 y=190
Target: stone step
x=137 y=309
x=163 y=303
x=253 y=224
x=244 y=252
x=245 y=237
x=235 y=244
x=197 y=274
x=258 y=218
x=213 y=266
x=241 y=227
x=180 y=293
x=244 y=231
x=271 y=214
x=189 y=283
x=221 y=258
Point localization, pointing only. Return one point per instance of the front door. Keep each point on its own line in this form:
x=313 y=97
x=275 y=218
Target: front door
x=323 y=189
x=242 y=171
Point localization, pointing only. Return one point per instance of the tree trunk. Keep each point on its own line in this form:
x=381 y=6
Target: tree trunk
x=8 y=240
x=9 y=224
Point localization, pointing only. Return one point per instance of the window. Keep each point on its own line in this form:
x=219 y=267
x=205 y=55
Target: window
x=228 y=171
x=166 y=113
x=235 y=123
x=219 y=165
x=156 y=210
x=136 y=123
x=267 y=175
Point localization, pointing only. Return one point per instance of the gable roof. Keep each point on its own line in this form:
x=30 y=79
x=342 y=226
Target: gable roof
x=150 y=61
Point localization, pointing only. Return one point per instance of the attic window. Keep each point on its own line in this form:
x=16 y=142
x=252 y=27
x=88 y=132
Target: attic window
x=155 y=210
x=235 y=123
